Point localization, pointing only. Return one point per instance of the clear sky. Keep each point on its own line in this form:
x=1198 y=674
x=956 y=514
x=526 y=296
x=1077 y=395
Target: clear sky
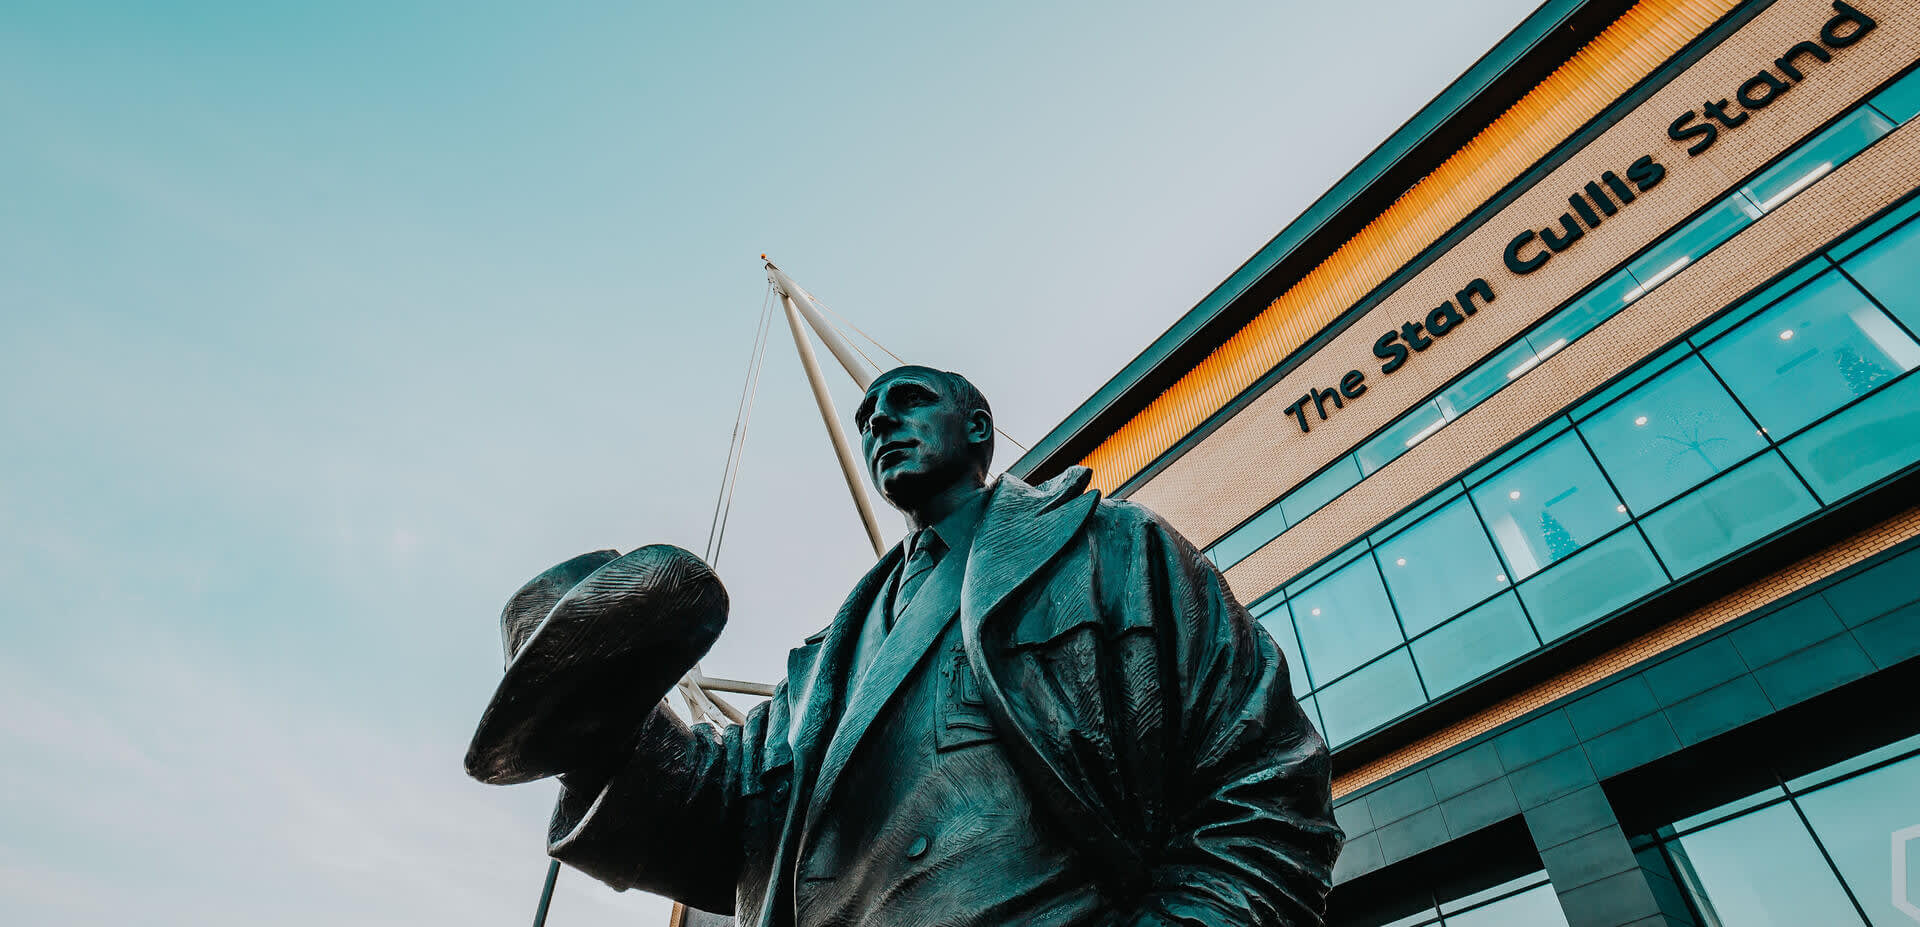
x=325 y=326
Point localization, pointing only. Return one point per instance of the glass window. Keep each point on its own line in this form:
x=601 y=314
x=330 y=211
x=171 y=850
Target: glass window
x=1727 y=514
x=1308 y=497
x=1248 y=538
x=1383 y=691
x=1582 y=315
x=1671 y=434
x=1888 y=271
x=1535 y=907
x=1856 y=819
x=1760 y=870
x=1816 y=157
x=1485 y=379
x=1440 y=566
x=1550 y=504
x=1591 y=584
x=1854 y=449
x=1686 y=244
x=1810 y=354
x=1901 y=99
x=1274 y=616
x=1473 y=645
x=1345 y=620
x=1411 y=428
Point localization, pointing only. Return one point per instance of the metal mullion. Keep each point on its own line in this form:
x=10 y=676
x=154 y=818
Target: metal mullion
x=1821 y=845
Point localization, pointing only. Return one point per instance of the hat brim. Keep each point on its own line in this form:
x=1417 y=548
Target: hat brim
x=579 y=688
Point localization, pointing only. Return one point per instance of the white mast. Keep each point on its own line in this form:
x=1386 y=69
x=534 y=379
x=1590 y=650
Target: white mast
x=800 y=310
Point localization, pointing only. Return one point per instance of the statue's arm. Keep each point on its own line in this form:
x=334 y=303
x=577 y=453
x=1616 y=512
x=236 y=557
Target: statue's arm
x=670 y=819
x=1253 y=839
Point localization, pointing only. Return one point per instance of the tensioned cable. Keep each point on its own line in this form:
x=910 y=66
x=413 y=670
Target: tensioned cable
x=897 y=358
x=743 y=417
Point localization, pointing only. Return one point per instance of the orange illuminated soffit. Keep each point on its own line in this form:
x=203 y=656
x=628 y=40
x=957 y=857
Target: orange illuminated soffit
x=1632 y=47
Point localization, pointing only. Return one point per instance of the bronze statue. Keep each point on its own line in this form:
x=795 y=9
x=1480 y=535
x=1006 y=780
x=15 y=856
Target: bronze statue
x=1043 y=707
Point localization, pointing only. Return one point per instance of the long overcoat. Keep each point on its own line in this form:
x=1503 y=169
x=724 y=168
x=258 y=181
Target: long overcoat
x=1136 y=698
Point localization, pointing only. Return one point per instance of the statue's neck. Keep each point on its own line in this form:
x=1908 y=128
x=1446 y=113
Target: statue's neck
x=944 y=503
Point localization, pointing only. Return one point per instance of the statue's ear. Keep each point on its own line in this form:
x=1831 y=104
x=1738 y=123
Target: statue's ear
x=979 y=426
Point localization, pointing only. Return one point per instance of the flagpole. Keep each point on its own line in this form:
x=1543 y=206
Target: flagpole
x=849 y=465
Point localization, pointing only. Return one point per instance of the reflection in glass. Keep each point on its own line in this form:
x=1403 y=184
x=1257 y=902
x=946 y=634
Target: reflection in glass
x=1384 y=690
x=1345 y=620
x=1473 y=645
x=1274 y=616
x=1687 y=243
x=1672 y=433
x=1440 y=566
x=1248 y=538
x=1727 y=514
x=1591 y=584
x=1535 y=907
x=1859 y=446
x=1816 y=157
x=1485 y=379
x=1581 y=315
x=1411 y=428
x=1810 y=354
x=1308 y=497
x=1901 y=99
x=1760 y=870
x=1887 y=271
x=1855 y=820
x=1550 y=504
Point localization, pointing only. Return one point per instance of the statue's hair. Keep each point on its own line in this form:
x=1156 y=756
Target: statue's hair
x=968 y=395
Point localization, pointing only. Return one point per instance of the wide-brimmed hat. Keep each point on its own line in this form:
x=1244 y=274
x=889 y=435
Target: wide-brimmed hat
x=592 y=645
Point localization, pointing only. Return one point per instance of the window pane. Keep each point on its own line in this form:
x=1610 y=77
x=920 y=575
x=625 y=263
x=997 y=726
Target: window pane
x=1308 y=497
x=1345 y=620
x=1888 y=271
x=1583 y=314
x=1902 y=99
x=1671 y=434
x=1473 y=645
x=1274 y=616
x=1440 y=566
x=1850 y=451
x=1550 y=504
x=1367 y=699
x=1686 y=244
x=1485 y=379
x=1410 y=429
x=1727 y=514
x=1761 y=870
x=1810 y=354
x=1591 y=584
x=1536 y=907
x=1856 y=819
x=1815 y=158
x=1248 y=538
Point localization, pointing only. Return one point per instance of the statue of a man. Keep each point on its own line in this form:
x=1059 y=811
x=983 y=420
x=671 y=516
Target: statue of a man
x=1041 y=708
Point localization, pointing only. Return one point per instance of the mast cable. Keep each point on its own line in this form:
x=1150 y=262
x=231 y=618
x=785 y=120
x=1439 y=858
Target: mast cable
x=736 y=446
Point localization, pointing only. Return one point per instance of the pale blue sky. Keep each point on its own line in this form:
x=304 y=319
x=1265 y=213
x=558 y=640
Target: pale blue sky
x=324 y=327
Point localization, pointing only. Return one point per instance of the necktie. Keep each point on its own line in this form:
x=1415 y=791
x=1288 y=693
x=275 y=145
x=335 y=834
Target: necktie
x=919 y=563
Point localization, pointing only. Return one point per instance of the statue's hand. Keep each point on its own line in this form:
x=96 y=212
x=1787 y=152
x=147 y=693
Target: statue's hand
x=584 y=677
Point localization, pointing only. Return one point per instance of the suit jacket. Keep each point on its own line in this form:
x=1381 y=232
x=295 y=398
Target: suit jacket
x=1142 y=705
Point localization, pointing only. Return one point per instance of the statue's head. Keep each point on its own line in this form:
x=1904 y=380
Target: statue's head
x=921 y=432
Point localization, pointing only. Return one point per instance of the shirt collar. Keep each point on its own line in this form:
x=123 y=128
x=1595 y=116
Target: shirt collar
x=956 y=530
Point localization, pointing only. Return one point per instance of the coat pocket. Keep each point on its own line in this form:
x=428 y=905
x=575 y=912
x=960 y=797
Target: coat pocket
x=960 y=710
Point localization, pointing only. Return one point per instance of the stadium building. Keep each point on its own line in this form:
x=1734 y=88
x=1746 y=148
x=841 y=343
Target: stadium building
x=1569 y=447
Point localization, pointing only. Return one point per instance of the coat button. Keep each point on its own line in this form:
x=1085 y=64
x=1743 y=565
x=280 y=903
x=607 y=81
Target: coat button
x=918 y=848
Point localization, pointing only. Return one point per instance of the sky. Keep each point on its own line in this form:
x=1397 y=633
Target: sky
x=324 y=327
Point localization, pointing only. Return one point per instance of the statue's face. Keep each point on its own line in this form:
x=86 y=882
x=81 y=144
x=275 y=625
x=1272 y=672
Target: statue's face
x=916 y=437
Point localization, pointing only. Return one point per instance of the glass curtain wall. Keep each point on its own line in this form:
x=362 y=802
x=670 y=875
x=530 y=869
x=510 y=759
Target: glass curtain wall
x=1528 y=901
x=1825 y=848
x=1793 y=400
x=1796 y=170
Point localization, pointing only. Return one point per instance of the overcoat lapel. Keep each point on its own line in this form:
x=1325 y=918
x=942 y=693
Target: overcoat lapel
x=816 y=673
x=1024 y=529
x=914 y=631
